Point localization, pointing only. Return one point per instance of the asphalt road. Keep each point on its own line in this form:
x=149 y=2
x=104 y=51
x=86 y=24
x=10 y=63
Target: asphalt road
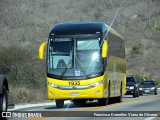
x=129 y=105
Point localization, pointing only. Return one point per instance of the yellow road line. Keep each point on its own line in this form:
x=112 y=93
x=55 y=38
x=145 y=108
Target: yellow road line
x=89 y=109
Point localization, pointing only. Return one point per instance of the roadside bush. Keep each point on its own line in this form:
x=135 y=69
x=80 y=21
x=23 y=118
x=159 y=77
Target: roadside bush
x=25 y=74
x=157 y=27
x=138 y=78
x=137 y=48
x=157 y=81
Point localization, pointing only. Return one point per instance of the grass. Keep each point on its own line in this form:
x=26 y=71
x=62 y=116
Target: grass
x=157 y=27
x=24 y=95
x=137 y=48
x=25 y=74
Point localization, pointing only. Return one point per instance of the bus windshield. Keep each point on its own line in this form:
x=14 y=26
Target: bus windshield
x=74 y=57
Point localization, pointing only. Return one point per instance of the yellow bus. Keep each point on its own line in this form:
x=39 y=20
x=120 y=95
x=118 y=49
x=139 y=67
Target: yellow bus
x=85 y=62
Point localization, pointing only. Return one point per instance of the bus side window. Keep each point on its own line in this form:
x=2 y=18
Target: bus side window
x=51 y=58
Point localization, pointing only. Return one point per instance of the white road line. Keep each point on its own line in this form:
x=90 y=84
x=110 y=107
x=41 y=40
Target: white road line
x=35 y=105
x=150 y=118
x=30 y=105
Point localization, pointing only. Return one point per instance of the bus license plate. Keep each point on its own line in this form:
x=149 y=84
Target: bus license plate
x=74 y=93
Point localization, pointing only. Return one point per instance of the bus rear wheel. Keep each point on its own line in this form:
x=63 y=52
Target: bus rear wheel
x=119 y=99
x=59 y=103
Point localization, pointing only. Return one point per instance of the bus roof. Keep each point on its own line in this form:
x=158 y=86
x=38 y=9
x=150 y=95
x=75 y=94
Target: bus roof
x=78 y=28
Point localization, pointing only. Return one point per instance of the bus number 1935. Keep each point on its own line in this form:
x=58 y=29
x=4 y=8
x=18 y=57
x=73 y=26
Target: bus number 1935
x=72 y=83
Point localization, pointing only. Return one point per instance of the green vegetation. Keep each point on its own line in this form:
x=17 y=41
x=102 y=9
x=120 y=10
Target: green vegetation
x=157 y=81
x=25 y=73
x=157 y=27
x=140 y=78
x=137 y=48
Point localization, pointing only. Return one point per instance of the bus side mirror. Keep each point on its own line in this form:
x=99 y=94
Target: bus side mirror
x=41 y=50
x=104 y=49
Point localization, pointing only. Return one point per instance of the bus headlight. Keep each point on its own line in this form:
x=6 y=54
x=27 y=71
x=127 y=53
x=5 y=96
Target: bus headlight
x=52 y=85
x=96 y=84
x=140 y=89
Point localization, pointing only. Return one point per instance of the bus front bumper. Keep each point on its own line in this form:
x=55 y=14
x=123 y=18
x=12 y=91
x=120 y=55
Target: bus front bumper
x=95 y=92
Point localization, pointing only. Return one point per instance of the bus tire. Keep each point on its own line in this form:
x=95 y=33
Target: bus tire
x=119 y=99
x=59 y=103
x=105 y=101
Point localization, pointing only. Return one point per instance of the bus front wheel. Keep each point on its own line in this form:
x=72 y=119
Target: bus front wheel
x=105 y=101
x=59 y=103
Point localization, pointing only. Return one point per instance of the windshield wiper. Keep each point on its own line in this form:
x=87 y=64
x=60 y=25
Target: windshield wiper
x=65 y=69
x=79 y=63
x=81 y=66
